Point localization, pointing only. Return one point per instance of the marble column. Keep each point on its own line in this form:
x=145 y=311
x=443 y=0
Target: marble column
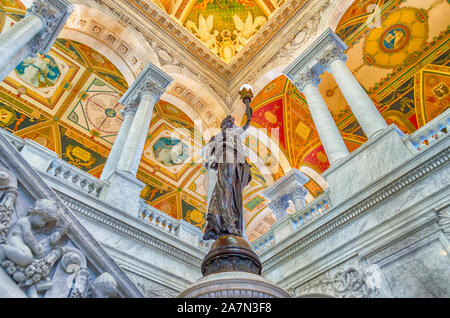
x=308 y=82
x=124 y=188
x=128 y=114
x=131 y=154
x=298 y=197
x=35 y=33
x=359 y=101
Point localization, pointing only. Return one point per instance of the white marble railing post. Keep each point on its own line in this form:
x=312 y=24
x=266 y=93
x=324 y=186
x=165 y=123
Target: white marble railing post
x=308 y=82
x=124 y=189
x=128 y=114
x=35 y=33
x=359 y=102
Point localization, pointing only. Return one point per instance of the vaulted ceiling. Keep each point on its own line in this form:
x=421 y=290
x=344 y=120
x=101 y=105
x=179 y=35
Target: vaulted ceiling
x=73 y=107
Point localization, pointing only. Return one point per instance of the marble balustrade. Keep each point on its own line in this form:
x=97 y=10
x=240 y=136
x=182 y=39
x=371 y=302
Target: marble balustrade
x=431 y=132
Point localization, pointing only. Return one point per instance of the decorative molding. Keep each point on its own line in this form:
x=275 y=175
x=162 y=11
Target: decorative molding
x=402 y=244
x=352 y=282
x=150 y=289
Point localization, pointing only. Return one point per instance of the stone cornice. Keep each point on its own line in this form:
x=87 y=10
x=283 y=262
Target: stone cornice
x=129 y=230
x=429 y=166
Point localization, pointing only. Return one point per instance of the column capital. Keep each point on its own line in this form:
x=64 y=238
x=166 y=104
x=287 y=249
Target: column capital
x=306 y=78
x=152 y=88
x=152 y=81
x=332 y=54
x=309 y=59
x=298 y=192
x=279 y=206
x=53 y=14
x=129 y=110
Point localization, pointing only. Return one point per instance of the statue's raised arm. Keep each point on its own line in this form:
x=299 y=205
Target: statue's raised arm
x=247 y=96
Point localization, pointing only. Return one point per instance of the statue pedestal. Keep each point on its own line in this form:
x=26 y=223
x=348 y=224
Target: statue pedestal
x=232 y=270
x=234 y=285
x=231 y=253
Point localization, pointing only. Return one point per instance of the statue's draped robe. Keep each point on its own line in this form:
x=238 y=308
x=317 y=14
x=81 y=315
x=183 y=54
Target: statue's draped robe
x=225 y=211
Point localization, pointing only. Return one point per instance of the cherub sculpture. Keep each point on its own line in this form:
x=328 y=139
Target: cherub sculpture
x=22 y=244
x=22 y=256
x=8 y=196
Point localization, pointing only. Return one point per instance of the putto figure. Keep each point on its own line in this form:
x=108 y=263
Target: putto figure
x=225 y=154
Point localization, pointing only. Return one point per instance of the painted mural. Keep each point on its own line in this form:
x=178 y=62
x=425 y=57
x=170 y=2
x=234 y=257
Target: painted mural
x=170 y=151
x=224 y=26
x=39 y=71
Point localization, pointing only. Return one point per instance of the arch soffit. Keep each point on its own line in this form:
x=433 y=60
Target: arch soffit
x=126 y=49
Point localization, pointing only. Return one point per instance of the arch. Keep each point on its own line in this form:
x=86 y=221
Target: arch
x=200 y=96
x=95 y=27
x=186 y=108
x=336 y=14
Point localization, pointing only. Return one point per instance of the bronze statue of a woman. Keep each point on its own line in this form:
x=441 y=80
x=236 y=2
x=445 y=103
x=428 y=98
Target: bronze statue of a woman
x=225 y=154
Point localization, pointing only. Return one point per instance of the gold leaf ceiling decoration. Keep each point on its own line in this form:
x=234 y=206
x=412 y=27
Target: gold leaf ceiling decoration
x=224 y=26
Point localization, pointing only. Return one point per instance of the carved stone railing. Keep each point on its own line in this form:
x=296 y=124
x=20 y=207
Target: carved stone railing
x=76 y=177
x=432 y=131
x=158 y=219
x=168 y=224
x=310 y=212
x=292 y=223
x=264 y=242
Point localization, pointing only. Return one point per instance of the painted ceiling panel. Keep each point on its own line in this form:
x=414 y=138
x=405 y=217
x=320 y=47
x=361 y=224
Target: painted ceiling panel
x=224 y=26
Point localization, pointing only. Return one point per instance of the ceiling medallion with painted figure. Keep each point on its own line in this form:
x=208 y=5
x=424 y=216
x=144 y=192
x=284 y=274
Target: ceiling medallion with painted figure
x=40 y=71
x=395 y=38
x=402 y=34
x=170 y=151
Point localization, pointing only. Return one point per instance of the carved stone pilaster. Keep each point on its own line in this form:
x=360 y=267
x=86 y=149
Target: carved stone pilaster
x=332 y=54
x=54 y=14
